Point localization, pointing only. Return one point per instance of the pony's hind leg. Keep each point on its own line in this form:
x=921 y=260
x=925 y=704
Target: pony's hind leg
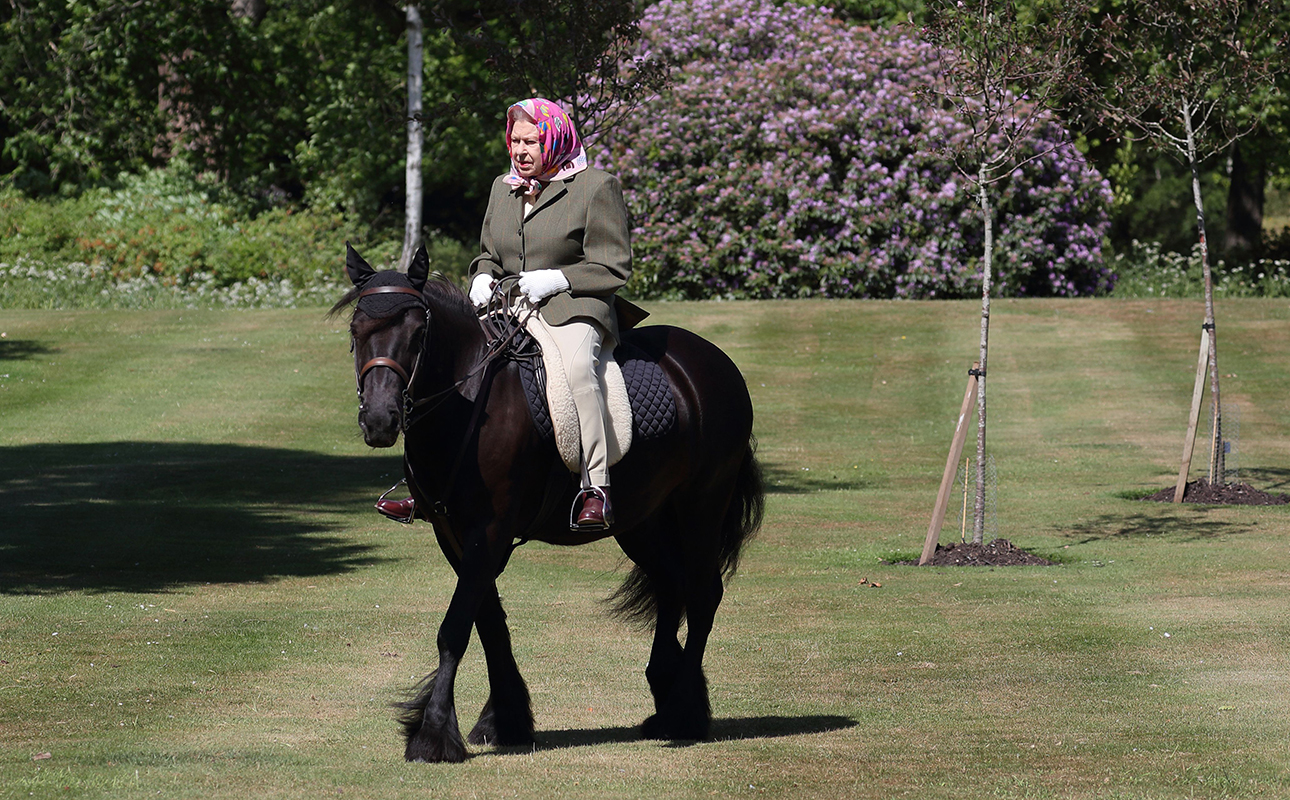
x=507 y=718
x=692 y=557
x=685 y=711
x=666 y=653
x=652 y=597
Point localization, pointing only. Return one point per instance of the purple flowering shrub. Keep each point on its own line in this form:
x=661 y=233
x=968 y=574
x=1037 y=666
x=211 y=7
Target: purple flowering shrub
x=792 y=157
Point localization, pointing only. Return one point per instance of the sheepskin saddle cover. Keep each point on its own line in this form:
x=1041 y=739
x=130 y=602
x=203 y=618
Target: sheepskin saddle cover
x=637 y=393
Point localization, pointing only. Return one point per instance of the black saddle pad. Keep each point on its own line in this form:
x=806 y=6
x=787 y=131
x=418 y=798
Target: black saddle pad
x=648 y=391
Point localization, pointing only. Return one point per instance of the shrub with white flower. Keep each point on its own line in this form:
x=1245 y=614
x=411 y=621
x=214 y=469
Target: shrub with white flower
x=792 y=157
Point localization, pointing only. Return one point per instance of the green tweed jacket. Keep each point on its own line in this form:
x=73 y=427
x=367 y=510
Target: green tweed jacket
x=579 y=226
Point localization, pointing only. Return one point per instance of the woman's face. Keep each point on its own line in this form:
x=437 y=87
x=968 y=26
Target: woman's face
x=526 y=152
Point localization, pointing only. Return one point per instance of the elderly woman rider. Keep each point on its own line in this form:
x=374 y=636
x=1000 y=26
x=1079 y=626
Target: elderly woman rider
x=561 y=227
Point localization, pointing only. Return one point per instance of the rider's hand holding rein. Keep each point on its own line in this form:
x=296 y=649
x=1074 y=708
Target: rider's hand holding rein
x=481 y=289
x=543 y=283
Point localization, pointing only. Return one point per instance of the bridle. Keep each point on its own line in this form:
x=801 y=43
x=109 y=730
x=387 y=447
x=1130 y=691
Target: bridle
x=499 y=340
x=383 y=361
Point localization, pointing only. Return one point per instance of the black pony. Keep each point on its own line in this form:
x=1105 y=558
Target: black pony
x=686 y=501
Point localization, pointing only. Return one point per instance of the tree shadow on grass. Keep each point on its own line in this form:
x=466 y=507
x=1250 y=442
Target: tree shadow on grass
x=149 y=517
x=1190 y=525
x=722 y=730
x=782 y=479
x=22 y=349
x=1272 y=480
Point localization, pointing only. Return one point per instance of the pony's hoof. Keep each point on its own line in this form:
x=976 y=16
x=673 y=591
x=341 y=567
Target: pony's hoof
x=652 y=728
x=427 y=751
x=489 y=735
x=655 y=727
x=513 y=729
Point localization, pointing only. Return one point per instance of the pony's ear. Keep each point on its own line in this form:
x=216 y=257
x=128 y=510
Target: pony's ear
x=359 y=270
x=419 y=269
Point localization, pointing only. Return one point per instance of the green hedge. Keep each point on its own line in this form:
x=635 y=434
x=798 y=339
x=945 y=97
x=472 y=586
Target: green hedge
x=169 y=237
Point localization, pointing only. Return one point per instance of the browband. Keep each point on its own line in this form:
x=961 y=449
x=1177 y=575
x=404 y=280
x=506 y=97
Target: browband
x=391 y=290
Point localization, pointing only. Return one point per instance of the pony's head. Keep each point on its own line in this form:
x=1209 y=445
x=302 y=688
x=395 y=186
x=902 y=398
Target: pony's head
x=387 y=332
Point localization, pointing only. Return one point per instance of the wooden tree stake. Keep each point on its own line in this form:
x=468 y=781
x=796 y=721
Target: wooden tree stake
x=1189 y=445
x=951 y=466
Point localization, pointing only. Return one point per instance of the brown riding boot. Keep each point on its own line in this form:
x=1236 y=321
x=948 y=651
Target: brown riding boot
x=596 y=513
x=397 y=510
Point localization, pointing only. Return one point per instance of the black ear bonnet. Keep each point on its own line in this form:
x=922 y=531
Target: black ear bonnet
x=384 y=304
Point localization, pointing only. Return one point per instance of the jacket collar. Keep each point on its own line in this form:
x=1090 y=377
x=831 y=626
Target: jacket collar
x=553 y=191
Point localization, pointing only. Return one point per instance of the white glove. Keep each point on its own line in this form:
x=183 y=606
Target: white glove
x=542 y=283
x=481 y=289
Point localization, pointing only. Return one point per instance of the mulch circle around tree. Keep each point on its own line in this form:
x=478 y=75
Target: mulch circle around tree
x=999 y=553
x=1228 y=494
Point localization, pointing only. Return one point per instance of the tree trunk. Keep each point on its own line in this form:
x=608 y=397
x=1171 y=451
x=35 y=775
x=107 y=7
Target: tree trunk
x=1244 y=206
x=978 y=509
x=1216 y=460
x=412 y=223
x=253 y=10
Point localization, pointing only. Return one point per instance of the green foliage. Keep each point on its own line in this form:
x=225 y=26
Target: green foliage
x=170 y=237
x=1154 y=200
x=307 y=104
x=578 y=52
x=352 y=149
x=1146 y=270
x=103 y=87
x=874 y=12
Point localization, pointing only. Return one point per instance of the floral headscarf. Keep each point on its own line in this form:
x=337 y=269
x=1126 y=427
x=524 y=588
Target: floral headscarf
x=561 y=149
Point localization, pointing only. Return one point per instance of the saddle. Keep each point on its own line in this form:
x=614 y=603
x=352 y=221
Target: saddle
x=638 y=395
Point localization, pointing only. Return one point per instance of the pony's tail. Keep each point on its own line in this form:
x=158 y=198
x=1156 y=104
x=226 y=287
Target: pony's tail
x=636 y=601
x=747 y=508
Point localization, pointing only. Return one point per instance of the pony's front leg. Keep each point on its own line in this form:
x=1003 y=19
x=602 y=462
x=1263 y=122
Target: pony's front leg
x=430 y=718
x=507 y=718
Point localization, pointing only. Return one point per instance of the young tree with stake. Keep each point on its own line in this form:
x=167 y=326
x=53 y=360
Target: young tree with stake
x=1001 y=73
x=1192 y=77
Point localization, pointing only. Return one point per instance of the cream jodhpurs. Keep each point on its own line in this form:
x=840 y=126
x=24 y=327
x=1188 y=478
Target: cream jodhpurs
x=579 y=343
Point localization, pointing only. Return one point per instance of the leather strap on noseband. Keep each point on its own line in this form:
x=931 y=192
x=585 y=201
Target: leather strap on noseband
x=382 y=361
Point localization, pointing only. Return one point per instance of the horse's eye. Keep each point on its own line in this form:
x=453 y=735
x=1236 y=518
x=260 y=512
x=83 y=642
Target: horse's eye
x=352 y=343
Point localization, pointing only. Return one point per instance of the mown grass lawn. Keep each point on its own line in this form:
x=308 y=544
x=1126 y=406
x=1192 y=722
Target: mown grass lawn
x=196 y=599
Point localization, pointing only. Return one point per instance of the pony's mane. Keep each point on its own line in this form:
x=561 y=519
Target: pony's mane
x=445 y=296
